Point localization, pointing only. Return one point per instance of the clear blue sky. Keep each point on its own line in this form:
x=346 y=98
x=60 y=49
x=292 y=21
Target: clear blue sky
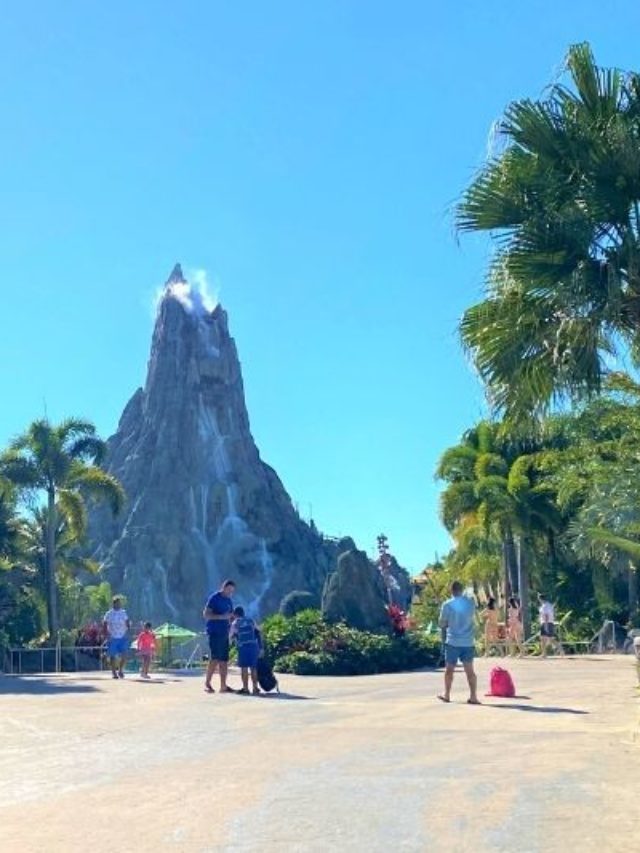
x=307 y=155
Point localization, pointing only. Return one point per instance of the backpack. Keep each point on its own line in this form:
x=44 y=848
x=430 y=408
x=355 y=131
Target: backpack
x=245 y=631
x=266 y=678
x=501 y=683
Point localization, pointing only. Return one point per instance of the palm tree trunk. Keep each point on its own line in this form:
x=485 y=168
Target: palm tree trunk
x=632 y=590
x=509 y=566
x=523 y=586
x=50 y=563
x=506 y=573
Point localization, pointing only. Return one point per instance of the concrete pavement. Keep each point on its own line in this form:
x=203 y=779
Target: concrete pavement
x=349 y=764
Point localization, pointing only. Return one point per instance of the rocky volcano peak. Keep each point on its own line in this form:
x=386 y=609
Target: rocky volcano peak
x=176 y=277
x=202 y=505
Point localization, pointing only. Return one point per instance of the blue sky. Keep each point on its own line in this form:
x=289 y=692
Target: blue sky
x=307 y=156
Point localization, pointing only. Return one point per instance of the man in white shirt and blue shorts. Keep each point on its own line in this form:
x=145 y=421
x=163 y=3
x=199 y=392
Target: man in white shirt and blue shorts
x=116 y=626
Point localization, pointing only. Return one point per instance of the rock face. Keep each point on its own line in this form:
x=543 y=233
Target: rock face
x=202 y=505
x=355 y=592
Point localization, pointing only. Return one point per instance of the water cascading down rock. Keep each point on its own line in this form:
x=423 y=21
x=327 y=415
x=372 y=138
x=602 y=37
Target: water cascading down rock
x=202 y=505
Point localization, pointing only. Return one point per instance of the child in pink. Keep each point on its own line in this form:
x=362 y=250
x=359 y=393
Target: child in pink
x=146 y=644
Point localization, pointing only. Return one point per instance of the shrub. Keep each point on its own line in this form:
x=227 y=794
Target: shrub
x=306 y=663
x=282 y=635
x=307 y=645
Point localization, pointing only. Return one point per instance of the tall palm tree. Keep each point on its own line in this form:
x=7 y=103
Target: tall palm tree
x=562 y=200
x=63 y=462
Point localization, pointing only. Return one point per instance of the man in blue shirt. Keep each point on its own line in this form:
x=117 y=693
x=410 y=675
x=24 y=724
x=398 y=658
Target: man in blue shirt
x=218 y=613
x=457 y=616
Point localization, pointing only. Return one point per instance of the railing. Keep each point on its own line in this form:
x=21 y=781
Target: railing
x=21 y=661
x=52 y=659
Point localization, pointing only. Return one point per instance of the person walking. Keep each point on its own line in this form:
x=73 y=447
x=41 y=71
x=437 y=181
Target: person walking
x=547 y=624
x=146 y=644
x=218 y=613
x=116 y=626
x=457 y=616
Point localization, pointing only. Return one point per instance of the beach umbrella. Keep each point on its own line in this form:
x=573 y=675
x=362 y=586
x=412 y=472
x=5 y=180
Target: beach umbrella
x=168 y=632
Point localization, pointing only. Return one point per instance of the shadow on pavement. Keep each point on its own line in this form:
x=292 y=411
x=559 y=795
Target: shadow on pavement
x=38 y=686
x=283 y=696
x=538 y=709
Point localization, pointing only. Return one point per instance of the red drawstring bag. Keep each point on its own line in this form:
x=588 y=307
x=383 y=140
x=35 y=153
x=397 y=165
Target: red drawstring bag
x=501 y=683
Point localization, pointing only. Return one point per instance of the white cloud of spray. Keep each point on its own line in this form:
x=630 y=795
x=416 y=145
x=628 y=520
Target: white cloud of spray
x=197 y=295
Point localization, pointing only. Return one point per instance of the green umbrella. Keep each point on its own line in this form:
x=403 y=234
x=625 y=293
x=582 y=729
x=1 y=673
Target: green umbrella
x=170 y=632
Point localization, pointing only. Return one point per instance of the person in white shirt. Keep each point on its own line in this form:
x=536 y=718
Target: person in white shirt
x=547 y=624
x=116 y=625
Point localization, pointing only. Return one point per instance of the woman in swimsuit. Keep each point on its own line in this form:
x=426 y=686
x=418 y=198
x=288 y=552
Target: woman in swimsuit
x=515 y=632
x=490 y=616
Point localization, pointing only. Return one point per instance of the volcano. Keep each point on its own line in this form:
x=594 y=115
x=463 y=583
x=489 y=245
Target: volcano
x=202 y=506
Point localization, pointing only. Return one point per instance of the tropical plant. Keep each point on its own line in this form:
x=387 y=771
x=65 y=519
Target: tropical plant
x=9 y=524
x=308 y=645
x=63 y=462
x=494 y=505
x=562 y=199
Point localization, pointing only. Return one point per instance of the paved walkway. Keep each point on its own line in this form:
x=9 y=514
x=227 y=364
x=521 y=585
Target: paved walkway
x=359 y=764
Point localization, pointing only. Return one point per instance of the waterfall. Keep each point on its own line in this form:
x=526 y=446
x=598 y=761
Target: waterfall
x=165 y=588
x=233 y=527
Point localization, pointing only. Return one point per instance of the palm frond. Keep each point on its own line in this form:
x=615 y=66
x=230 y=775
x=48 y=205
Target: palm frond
x=71 y=507
x=98 y=485
x=88 y=448
x=71 y=429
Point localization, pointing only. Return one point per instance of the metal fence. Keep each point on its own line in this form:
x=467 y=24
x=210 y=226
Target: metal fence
x=22 y=661
x=51 y=659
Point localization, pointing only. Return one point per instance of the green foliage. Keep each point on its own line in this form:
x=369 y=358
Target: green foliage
x=80 y=604
x=306 y=645
x=282 y=635
x=562 y=199
x=60 y=463
x=22 y=615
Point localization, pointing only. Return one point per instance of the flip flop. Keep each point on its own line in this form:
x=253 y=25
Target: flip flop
x=208 y=689
x=477 y=702
x=442 y=699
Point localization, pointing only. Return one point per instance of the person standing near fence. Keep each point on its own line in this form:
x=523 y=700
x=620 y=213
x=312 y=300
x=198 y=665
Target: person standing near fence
x=116 y=627
x=548 y=633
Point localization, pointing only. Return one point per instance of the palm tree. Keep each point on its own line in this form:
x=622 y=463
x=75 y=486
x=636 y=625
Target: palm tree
x=70 y=562
x=494 y=503
x=63 y=462
x=562 y=200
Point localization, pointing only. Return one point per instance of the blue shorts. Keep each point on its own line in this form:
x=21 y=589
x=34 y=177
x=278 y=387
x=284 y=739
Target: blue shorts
x=117 y=646
x=219 y=647
x=248 y=655
x=453 y=654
